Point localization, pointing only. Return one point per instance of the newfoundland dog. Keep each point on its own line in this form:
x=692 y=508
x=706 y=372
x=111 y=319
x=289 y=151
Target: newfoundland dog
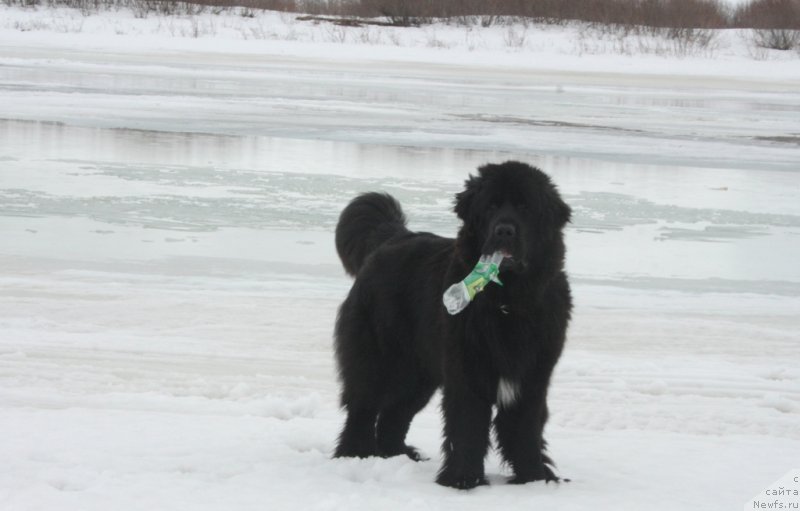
x=396 y=343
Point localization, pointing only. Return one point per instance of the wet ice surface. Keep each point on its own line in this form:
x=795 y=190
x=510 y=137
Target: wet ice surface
x=729 y=123
x=198 y=186
x=168 y=282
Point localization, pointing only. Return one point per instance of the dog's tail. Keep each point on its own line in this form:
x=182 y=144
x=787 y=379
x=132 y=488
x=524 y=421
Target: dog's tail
x=370 y=220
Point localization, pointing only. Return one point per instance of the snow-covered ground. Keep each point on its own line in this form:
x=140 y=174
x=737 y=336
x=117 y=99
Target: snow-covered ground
x=168 y=282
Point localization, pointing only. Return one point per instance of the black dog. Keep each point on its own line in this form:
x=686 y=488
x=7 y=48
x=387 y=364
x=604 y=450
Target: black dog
x=396 y=344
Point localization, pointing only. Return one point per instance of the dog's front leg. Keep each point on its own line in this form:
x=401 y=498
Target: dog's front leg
x=467 y=417
x=519 y=427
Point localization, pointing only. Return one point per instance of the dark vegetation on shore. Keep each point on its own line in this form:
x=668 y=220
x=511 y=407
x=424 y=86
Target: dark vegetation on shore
x=775 y=23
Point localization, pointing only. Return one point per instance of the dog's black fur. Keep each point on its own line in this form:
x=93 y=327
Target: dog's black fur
x=396 y=344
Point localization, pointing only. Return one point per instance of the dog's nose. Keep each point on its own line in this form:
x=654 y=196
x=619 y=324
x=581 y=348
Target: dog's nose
x=505 y=230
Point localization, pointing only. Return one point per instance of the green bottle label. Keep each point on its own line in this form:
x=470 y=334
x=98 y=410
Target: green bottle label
x=482 y=274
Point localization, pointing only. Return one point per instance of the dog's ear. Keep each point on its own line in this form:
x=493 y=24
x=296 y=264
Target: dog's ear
x=562 y=211
x=466 y=198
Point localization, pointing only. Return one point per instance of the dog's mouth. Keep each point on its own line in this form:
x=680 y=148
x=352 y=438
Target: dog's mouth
x=508 y=259
x=509 y=262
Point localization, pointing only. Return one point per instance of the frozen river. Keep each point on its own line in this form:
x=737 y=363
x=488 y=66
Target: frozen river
x=698 y=179
x=168 y=281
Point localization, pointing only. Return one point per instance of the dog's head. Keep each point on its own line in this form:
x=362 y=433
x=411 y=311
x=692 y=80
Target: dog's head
x=513 y=208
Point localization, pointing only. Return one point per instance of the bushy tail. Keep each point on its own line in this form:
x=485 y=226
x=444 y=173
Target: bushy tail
x=366 y=223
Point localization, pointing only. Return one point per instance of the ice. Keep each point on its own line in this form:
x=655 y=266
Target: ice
x=169 y=283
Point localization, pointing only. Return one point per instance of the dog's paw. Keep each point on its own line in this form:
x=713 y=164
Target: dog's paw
x=528 y=479
x=354 y=451
x=543 y=473
x=461 y=482
x=408 y=450
x=413 y=453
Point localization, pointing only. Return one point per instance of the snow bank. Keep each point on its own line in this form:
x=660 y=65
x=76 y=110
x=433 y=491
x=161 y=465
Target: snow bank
x=574 y=47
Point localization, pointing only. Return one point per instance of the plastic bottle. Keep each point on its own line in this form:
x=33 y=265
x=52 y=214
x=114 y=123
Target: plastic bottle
x=460 y=294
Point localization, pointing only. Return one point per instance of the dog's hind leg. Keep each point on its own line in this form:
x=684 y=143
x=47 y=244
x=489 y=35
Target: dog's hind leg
x=360 y=398
x=358 y=436
x=359 y=370
x=395 y=419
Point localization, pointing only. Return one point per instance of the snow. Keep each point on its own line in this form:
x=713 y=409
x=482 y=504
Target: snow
x=168 y=281
x=577 y=48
